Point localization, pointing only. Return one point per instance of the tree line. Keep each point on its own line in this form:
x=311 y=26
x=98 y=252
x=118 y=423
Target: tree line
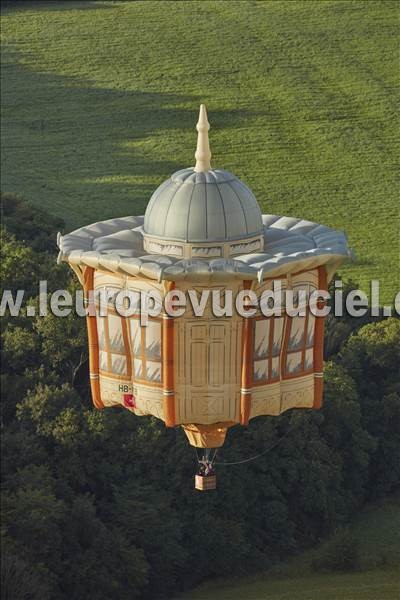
x=101 y=505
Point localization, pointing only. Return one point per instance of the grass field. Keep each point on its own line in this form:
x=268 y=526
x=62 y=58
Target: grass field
x=378 y=531
x=100 y=100
x=376 y=585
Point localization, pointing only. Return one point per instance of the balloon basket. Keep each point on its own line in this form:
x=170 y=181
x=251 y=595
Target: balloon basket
x=205 y=482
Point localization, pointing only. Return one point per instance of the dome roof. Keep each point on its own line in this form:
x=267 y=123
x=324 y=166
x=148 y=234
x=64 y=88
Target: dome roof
x=202 y=211
x=206 y=206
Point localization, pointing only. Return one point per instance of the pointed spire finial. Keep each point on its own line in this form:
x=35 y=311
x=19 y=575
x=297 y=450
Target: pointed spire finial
x=203 y=153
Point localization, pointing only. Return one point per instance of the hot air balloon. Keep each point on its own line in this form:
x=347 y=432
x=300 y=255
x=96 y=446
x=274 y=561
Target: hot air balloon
x=203 y=231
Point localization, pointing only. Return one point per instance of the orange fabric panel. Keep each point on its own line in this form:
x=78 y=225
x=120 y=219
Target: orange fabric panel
x=168 y=367
x=93 y=342
x=247 y=365
x=207 y=436
x=319 y=343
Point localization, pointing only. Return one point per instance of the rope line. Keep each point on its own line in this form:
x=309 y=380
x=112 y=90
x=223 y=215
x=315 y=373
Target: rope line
x=245 y=460
x=211 y=460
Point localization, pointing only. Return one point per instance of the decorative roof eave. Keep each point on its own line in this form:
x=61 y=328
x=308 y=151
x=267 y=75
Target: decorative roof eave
x=292 y=245
x=219 y=270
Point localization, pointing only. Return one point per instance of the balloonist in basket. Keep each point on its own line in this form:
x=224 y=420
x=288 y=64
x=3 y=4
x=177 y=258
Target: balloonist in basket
x=203 y=232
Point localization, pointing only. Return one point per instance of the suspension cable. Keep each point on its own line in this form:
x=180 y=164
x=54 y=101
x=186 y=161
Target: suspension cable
x=271 y=447
x=251 y=458
x=210 y=460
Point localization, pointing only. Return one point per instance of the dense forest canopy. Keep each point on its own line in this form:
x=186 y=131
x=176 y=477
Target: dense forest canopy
x=99 y=504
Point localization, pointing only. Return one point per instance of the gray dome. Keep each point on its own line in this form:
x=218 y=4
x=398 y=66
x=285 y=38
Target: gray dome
x=207 y=206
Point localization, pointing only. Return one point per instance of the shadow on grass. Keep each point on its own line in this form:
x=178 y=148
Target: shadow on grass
x=54 y=5
x=87 y=153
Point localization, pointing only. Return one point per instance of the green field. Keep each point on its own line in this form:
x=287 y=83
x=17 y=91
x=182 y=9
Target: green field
x=100 y=101
x=377 y=585
x=377 y=530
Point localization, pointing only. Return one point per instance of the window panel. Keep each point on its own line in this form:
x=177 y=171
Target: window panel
x=268 y=339
x=103 y=364
x=130 y=301
x=153 y=371
x=136 y=336
x=310 y=330
x=296 y=338
x=300 y=296
x=299 y=334
x=137 y=367
x=293 y=363
x=146 y=356
x=309 y=359
x=115 y=333
x=153 y=340
x=112 y=293
x=109 y=293
x=100 y=332
x=261 y=338
x=260 y=372
x=303 y=291
x=277 y=339
x=275 y=367
x=118 y=364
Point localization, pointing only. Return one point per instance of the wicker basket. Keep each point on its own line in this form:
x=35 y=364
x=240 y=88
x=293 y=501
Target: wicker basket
x=204 y=483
